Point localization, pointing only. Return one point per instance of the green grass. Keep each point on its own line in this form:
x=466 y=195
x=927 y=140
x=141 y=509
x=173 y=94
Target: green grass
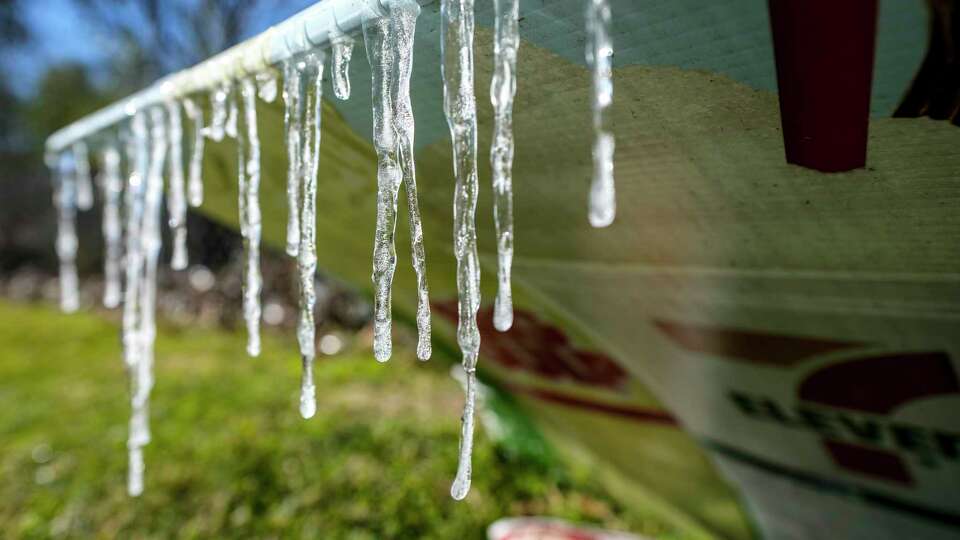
x=230 y=456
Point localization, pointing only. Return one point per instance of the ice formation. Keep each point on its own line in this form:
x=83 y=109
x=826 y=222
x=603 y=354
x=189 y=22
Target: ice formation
x=111 y=187
x=460 y=107
x=84 y=185
x=389 y=44
x=503 y=88
x=176 y=194
x=248 y=167
x=65 y=200
x=603 y=204
x=342 y=48
x=195 y=182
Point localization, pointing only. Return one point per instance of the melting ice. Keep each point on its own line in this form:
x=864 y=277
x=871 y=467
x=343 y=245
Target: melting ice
x=195 y=186
x=248 y=150
x=111 y=186
x=342 y=52
x=503 y=88
x=599 y=57
x=460 y=107
x=389 y=44
x=176 y=195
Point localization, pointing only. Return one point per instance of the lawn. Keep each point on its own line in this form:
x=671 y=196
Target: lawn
x=230 y=456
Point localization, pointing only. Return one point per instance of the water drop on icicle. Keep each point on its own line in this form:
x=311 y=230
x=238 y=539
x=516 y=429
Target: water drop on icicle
x=250 y=219
x=65 y=201
x=599 y=58
x=294 y=94
x=176 y=196
x=503 y=89
x=195 y=181
x=389 y=43
x=311 y=68
x=342 y=52
x=460 y=107
x=84 y=184
x=219 y=113
x=111 y=186
x=267 y=85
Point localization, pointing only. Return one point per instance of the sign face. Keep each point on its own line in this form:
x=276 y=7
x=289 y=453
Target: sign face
x=874 y=431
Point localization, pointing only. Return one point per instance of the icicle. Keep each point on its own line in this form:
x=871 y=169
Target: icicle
x=195 y=183
x=389 y=43
x=503 y=88
x=146 y=332
x=233 y=112
x=267 y=85
x=65 y=200
x=138 y=156
x=84 y=185
x=294 y=93
x=603 y=204
x=311 y=70
x=342 y=52
x=176 y=198
x=460 y=107
x=219 y=113
x=111 y=186
x=250 y=216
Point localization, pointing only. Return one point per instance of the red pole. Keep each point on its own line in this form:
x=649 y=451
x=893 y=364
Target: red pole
x=824 y=53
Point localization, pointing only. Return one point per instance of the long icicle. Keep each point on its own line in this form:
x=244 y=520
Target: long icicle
x=176 y=195
x=293 y=94
x=250 y=218
x=138 y=157
x=460 y=107
x=342 y=52
x=403 y=17
x=84 y=183
x=151 y=243
x=603 y=204
x=111 y=186
x=195 y=181
x=307 y=252
x=65 y=200
x=503 y=89
x=381 y=55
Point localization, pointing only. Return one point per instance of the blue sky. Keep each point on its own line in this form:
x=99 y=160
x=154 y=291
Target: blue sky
x=61 y=33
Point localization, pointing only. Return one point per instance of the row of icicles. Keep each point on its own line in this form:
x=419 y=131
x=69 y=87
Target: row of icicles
x=152 y=145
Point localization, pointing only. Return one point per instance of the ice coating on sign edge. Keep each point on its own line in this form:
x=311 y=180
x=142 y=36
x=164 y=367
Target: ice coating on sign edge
x=248 y=146
x=111 y=186
x=176 y=195
x=460 y=107
x=310 y=67
x=503 y=89
x=599 y=55
x=389 y=44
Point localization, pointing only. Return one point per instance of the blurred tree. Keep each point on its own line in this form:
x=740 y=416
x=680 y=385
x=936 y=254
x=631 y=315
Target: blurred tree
x=162 y=36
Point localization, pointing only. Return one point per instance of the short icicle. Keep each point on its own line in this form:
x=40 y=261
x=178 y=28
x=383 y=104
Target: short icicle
x=65 y=200
x=111 y=187
x=294 y=94
x=219 y=113
x=232 y=127
x=311 y=72
x=342 y=52
x=150 y=244
x=503 y=89
x=267 y=85
x=176 y=195
x=81 y=160
x=195 y=181
x=389 y=44
x=460 y=107
x=603 y=205
x=250 y=215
